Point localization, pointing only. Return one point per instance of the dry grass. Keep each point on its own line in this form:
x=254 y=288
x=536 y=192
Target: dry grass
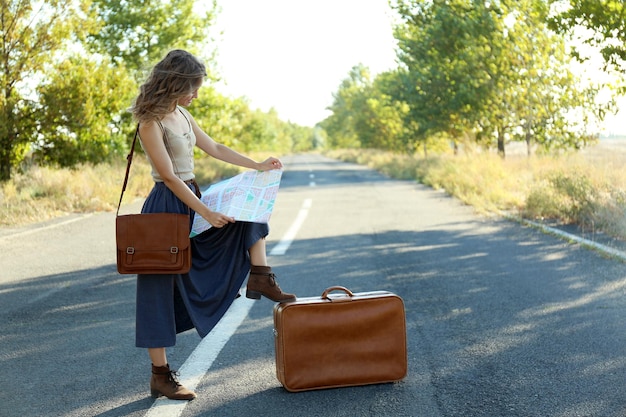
x=586 y=188
x=43 y=193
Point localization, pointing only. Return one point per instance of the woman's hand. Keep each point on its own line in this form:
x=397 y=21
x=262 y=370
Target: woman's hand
x=270 y=163
x=218 y=220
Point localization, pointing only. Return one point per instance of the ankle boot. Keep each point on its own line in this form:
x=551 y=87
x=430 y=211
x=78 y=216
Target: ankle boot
x=262 y=281
x=164 y=382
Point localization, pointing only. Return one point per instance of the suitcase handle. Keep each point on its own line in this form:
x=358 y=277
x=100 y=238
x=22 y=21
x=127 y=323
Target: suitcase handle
x=335 y=288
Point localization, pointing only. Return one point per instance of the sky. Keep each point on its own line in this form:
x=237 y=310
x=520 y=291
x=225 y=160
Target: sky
x=292 y=55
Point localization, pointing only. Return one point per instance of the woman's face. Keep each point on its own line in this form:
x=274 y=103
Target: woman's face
x=186 y=100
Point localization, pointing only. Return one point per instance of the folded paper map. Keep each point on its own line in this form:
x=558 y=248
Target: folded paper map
x=246 y=197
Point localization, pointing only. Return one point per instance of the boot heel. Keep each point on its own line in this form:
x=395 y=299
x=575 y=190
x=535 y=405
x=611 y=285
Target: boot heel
x=155 y=393
x=253 y=295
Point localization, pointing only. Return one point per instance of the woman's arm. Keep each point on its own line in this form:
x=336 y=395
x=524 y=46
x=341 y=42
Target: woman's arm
x=152 y=141
x=226 y=154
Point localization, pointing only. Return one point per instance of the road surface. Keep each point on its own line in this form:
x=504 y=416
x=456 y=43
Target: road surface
x=502 y=320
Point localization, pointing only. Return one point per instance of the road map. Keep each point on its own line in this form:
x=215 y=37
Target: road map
x=248 y=197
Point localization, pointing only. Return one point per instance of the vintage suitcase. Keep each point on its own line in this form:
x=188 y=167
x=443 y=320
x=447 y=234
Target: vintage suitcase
x=340 y=340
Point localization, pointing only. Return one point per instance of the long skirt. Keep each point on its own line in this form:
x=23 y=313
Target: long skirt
x=171 y=304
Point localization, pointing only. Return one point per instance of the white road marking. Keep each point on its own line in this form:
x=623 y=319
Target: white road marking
x=285 y=242
x=201 y=359
x=203 y=356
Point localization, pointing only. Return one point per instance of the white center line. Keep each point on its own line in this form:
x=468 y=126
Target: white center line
x=201 y=359
x=285 y=242
x=203 y=356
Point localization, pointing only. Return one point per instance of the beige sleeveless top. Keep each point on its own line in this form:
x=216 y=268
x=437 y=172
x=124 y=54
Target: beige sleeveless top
x=180 y=149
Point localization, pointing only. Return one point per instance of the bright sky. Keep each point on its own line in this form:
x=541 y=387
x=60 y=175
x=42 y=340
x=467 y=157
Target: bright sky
x=293 y=54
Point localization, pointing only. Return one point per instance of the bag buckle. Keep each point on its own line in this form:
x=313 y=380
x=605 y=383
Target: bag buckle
x=130 y=250
x=174 y=249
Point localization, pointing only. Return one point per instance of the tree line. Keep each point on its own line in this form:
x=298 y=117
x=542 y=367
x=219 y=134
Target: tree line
x=70 y=69
x=476 y=72
x=469 y=72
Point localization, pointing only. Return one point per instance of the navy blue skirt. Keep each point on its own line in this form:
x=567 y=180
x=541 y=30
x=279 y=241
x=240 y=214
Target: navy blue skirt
x=170 y=304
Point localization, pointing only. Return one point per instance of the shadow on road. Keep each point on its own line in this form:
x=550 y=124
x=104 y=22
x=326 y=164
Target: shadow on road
x=509 y=323
x=512 y=323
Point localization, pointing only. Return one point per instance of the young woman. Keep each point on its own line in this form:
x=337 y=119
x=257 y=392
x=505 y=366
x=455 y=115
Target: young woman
x=223 y=256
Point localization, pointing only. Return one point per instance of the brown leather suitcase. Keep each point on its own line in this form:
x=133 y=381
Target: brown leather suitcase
x=340 y=340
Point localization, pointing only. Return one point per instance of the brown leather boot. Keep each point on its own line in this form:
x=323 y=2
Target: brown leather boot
x=262 y=281
x=164 y=382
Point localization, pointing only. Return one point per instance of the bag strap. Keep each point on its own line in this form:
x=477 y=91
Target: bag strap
x=129 y=158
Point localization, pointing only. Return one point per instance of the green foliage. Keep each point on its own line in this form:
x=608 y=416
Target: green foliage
x=341 y=127
x=550 y=106
x=32 y=33
x=136 y=33
x=79 y=103
x=233 y=123
x=470 y=71
x=303 y=138
x=382 y=117
x=491 y=71
x=605 y=21
x=70 y=69
x=367 y=114
x=446 y=48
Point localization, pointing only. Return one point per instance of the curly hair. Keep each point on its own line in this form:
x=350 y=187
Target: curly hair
x=175 y=76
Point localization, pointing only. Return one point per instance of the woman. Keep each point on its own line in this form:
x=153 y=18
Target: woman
x=223 y=256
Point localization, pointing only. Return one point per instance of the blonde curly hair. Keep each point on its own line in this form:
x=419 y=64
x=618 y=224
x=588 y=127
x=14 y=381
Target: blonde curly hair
x=175 y=76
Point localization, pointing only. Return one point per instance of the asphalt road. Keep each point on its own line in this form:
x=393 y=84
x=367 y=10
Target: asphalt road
x=502 y=320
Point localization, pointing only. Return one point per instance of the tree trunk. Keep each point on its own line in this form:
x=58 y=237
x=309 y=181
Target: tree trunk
x=528 y=136
x=7 y=139
x=5 y=166
x=501 y=151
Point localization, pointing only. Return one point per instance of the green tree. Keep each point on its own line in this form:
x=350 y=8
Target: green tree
x=342 y=125
x=605 y=21
x=138 y=33
x=539 y=92
x=489 y=71
x=232 y=122
x=445 y=48
x=380 y=123
x=218 y=115
x=303 y=138
x=32 y=33
x=80 y=107
x=282 y=139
